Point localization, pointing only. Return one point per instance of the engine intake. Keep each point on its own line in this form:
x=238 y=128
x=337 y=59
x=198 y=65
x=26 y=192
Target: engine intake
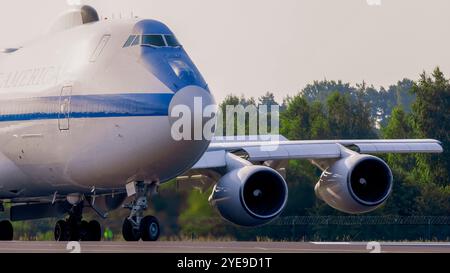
x=370 y=181
x=250 y=196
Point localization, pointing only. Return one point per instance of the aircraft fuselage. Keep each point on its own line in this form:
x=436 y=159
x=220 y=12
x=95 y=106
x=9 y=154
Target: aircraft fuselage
x=79 y=110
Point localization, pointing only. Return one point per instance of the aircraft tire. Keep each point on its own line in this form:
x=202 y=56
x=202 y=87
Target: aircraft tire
x=129 y=233
x=150 y=230
x=6 y=231
x=94 y=231
x=61 y=231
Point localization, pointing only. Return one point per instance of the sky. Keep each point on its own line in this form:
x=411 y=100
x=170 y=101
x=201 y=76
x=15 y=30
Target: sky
x=251 y=47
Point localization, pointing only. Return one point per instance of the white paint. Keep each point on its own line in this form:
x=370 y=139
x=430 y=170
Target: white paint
x=374 y=247
x=73 y=247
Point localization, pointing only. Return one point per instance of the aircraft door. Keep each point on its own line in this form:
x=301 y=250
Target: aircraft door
x=64 y=111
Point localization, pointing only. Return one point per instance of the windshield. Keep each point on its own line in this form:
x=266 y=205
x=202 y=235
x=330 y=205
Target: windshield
x=172 y=41
x=155 y=40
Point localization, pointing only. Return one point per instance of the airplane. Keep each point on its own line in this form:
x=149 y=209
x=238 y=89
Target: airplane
x=84 y=123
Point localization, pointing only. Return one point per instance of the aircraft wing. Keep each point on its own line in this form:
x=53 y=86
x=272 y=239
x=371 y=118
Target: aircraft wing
x=260 y=151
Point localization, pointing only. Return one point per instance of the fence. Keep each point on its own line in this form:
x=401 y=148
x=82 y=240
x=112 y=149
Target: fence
x=359 y=228
x=361 y=220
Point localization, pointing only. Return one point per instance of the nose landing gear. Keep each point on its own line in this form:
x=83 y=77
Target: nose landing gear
x=136 y=226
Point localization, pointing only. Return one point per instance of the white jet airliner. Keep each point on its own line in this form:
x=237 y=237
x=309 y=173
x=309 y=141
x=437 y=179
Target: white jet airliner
x=84 y=122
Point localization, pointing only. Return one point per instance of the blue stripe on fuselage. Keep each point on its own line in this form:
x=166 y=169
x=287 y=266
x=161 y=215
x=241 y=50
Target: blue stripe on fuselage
x=86 y=106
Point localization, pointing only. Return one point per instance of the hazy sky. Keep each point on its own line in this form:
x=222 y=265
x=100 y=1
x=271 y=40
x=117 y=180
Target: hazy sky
x=254 y=46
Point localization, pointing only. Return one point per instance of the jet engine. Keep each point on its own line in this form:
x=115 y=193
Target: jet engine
x=355 y=184
x=250 y=195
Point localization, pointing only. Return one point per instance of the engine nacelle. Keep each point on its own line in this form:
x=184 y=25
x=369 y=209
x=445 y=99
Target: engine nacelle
x=250 y=195
x=355 y=184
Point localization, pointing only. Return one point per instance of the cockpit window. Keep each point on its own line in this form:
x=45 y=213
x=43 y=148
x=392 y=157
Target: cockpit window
x=136 y=41
x=153 y=40
x=156 y=40
x=171 y=41
x=129 y=41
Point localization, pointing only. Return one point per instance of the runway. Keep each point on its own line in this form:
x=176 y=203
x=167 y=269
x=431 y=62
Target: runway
x=221 y=247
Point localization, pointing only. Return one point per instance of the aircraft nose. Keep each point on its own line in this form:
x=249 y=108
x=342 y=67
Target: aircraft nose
x=192 y=114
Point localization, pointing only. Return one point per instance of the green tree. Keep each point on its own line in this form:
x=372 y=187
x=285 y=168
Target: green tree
x=267 y=99
x=320 y=127
x=199 y=218
x=348 y=119
x=320 y=90
x=406 y=191
x=233 y=101
x=431 y=117
x=295 y=120
x=400 y=127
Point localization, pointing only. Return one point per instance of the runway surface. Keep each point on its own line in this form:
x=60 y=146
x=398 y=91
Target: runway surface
x=222 y=247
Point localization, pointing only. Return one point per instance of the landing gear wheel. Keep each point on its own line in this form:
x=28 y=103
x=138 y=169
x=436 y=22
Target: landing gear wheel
x=61 y=231
x=84 y=231
x=149 y=228
x=6 y=231
x=129 y=233
x=94 y=231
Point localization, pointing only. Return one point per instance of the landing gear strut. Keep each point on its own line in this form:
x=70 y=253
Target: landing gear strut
x=76 y=229
x=136 y=226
